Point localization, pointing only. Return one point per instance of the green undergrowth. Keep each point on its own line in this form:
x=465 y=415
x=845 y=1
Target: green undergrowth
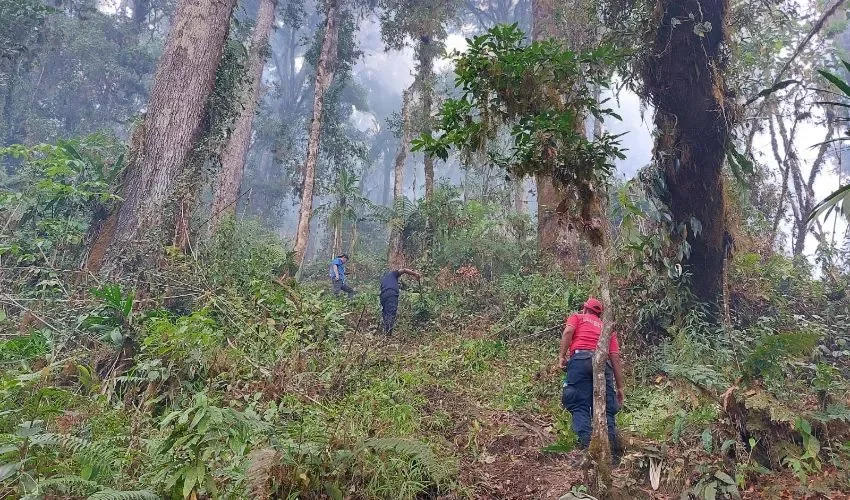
x=207 y=378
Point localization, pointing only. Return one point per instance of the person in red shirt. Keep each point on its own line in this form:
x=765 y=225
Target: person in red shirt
x=578 y=342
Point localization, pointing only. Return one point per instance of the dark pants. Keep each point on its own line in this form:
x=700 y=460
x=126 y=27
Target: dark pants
x=339 y=286
x=578 y=398
x=389 y=306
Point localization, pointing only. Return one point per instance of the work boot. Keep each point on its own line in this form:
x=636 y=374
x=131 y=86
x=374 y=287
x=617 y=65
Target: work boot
x=617 y=451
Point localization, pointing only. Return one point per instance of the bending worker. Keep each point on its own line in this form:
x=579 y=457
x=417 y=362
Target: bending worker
x=336 y=271
x=390 y=286
x=578 y=342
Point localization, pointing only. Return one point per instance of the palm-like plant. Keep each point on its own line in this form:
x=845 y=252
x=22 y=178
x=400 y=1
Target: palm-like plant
x=839 y=201
x=348 y=206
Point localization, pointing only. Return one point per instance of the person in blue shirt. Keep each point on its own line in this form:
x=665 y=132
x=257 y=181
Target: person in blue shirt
x=390 y=289
x=336 y=271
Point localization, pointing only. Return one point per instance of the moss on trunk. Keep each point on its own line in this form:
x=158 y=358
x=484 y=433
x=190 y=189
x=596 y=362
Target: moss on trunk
x=683 y=77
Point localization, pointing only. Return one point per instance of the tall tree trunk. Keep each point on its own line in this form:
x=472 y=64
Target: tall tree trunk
x=790 y=162
x=235 y=152
x=183 y=82
x=600 y=447
x=519 y=195
x=386 y=190
x=324 y=76
x=785 y=165
x=337 y=238
x=556 y=239
x=354 y=235
x=396 y=258
x=426 y=89
x=683 y=77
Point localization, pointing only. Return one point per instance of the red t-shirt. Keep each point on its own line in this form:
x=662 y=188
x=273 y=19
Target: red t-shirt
x=588 y=329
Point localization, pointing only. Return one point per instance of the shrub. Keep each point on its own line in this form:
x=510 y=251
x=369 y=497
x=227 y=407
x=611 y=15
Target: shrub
x=244 y=252
x=537 y=301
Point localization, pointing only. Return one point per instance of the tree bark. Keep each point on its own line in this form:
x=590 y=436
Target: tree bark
x=229 y=178
x=426 y=89
x=556 y=238
x=396 y=258
x=600 y=447
x=183 y=82
x=324 y=76
x=684 y=78
x=519 y=195
x=785 y=165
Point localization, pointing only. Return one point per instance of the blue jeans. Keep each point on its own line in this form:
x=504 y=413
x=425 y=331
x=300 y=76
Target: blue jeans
x=389 y=307
x=340 y=286
x=578 y=397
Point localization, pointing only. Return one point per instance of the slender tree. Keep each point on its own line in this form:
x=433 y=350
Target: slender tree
x=165 y=139
x=426 y=51
x=324 y=77
x=235 y=152
x=422 y=22
x=395 y=257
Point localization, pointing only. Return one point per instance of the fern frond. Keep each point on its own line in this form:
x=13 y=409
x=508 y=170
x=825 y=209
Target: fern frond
x=124 y=495
x=403 y=210
x=68 y=483
x=418 y=450
x=75 y=445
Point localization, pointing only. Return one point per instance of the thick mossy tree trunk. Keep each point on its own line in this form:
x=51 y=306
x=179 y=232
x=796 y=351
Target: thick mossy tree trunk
x=395 y=257
x=683 y=77
x=182 y=83
x=556 y=239
x=324 y=77
x=229 y=178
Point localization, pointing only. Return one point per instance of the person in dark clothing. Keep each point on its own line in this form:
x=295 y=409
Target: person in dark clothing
x=336 y=272
x=578 y=342
x=390 y=289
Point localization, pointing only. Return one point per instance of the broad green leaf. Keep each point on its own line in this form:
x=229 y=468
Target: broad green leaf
x=710 y=492
x=707 y=441
x=9 y=470
x=189 y=481
x=837 y=81
x=835 y=201
x=726 y=478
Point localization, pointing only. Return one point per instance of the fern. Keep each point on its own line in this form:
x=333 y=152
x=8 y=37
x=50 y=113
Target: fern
x=99 y=452
x=418 y=450
x=771 y=350
x=68 y=483
x=833 y=412
x=403 y=210
x=124 y=495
